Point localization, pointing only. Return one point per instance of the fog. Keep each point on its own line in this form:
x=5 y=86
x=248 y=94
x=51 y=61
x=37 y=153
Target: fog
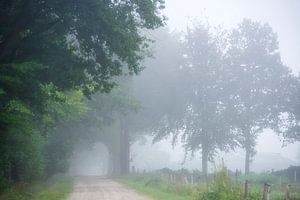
x=157 y=87
x=105 y=88
x=283 y=16
x=92 y=161
x=150 y=99
x=268 y=158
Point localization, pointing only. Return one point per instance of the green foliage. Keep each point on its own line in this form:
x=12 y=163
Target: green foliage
x=62 y=113
x=223 y=187
x=57 y=189
x=83 y=44
x=258 y=73
x=207 y=115
x=51 y=53
x=63 y=106
x=288 y=124
x=21 y=145
x=236 y=87
x=28 y=135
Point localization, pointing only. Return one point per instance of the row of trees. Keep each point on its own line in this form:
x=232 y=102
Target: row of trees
x=53 y=56
x=215 y=90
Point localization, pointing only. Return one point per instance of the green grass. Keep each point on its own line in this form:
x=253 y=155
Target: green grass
x=157 y=188
x=256 y=182
x=55 y=189
x=223 y=187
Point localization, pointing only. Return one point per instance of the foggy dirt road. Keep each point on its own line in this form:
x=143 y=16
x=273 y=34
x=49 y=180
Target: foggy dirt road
x=96 y=188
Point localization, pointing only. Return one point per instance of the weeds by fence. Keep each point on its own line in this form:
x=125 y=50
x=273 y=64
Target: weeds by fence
x=221 y=185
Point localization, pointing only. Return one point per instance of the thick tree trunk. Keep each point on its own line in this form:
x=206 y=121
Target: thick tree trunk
x=125 y=150
x=204 y=162
x=114 y=162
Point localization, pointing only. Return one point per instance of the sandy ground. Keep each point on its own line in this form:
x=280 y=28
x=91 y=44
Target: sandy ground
x=97 y=188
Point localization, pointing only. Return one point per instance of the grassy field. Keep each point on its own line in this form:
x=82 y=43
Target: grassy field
x=222 y=187
x=54 y=189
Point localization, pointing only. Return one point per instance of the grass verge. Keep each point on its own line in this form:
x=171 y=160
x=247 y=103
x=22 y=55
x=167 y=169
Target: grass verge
x=157 y=188
x=223 y=187
x=54 y=189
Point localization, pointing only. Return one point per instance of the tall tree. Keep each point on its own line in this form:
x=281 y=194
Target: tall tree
x=206 y=123
x=186 y=92
x=257 y=72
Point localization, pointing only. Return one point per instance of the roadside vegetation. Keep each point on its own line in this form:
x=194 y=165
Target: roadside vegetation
x=54 y=189
x=220 y=185
x=157 y=187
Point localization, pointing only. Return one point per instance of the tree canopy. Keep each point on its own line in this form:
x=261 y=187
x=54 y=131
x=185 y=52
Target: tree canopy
x=257 y=75
x=219 y=89
x=51 y=54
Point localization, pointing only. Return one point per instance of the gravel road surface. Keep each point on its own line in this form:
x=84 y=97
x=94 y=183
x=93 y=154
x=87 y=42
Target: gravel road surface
x=97 y=188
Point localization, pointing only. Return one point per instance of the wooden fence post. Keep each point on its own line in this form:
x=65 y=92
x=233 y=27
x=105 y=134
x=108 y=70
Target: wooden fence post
x=287 y=192
x=246 y=189
x=266 y=195
x=236 y=176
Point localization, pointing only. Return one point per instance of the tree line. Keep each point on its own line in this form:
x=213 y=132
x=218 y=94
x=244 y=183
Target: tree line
x=66 y=79
x=213 y=89
x=54 y=55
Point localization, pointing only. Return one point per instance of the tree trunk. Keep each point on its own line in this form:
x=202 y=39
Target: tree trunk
x=125 y=150
x=247 y=161
x=116 y=165
x=204 y=162
x=248 y=148
x=111 y=164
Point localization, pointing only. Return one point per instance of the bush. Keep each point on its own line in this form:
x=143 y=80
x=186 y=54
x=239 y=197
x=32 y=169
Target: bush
x=223 y=188
x=22 y=159
x=56 y=189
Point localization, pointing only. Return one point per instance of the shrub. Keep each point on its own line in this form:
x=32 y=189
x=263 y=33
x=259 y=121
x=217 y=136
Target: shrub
x=223 y=187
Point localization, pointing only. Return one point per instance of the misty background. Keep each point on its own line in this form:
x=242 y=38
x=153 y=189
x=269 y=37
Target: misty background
x=272 y=151
x=124 y=86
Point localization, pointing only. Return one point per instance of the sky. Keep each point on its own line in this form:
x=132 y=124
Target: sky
x=282 y=15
